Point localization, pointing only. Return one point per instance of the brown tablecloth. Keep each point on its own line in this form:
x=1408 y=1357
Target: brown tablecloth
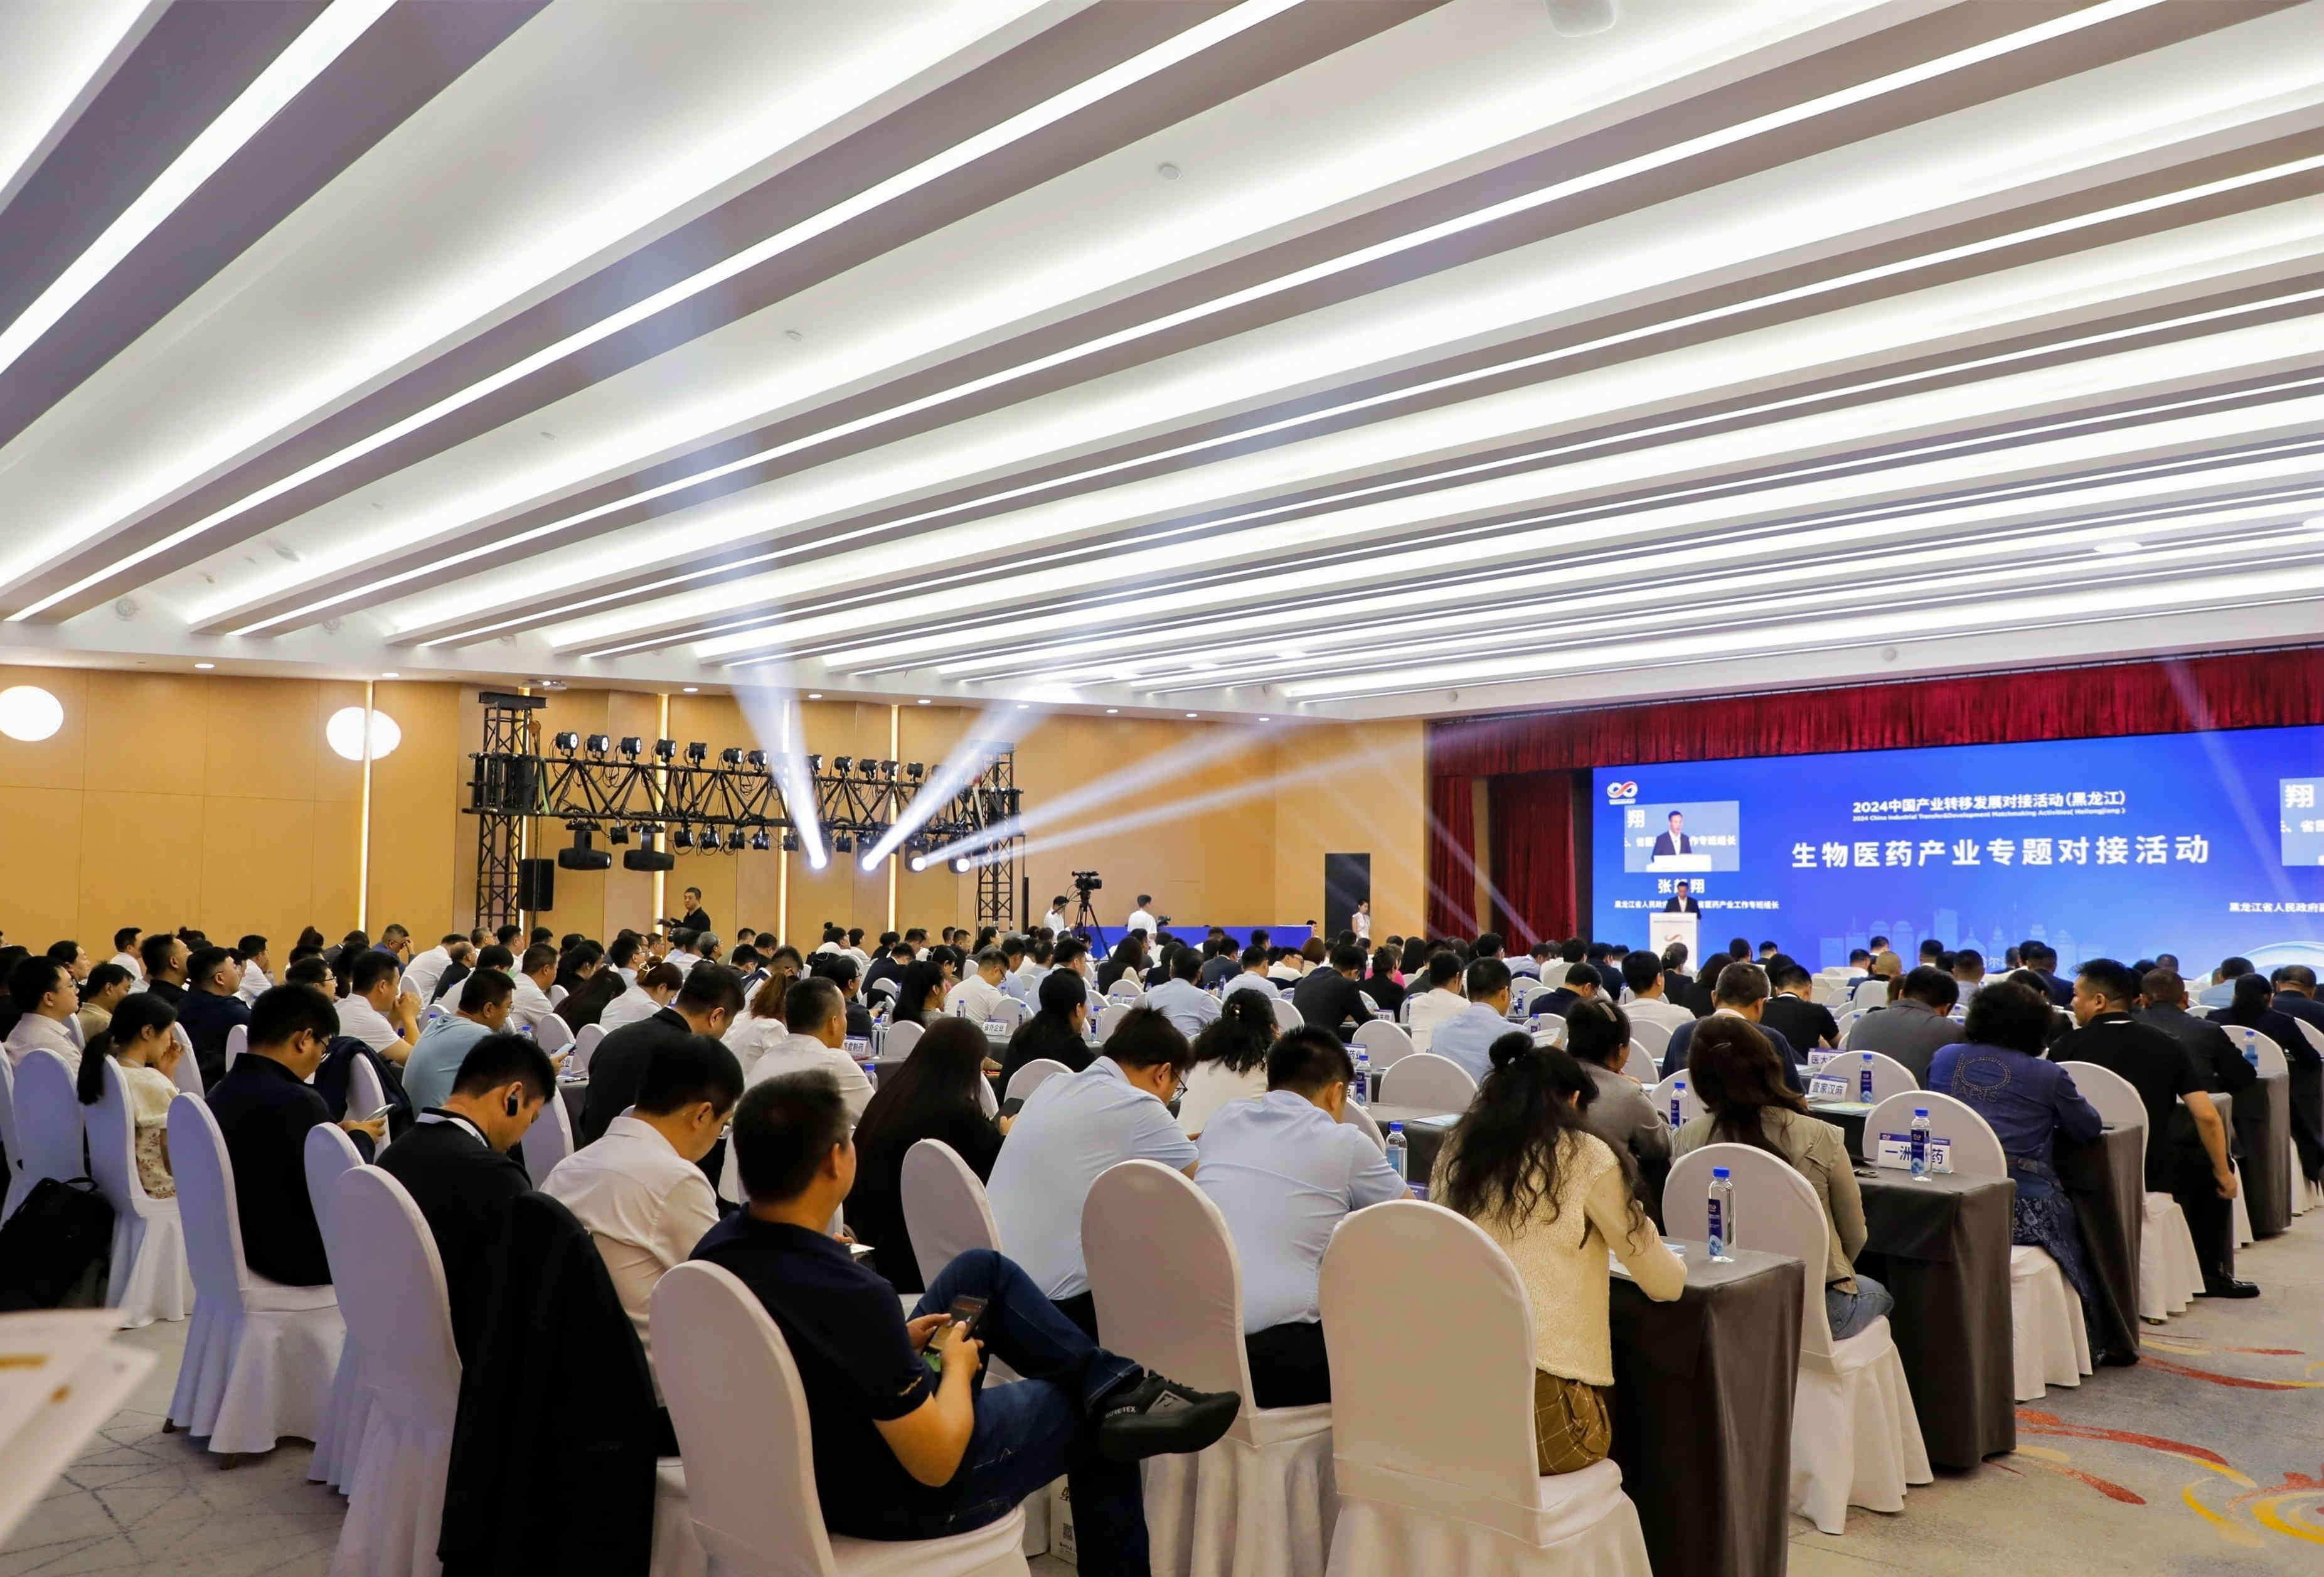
x=1942 y=1247
x=1702 y=1412
x=2264 y=1123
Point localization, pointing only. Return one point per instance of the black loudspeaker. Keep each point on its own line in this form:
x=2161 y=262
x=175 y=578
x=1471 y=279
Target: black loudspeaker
x=585 y=859
x=648 y=859
x=535 y=885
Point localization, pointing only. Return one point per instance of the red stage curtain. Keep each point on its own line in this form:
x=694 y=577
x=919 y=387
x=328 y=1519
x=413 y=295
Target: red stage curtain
x=2238 y=690
x=1451 y=858
x=1533 y=857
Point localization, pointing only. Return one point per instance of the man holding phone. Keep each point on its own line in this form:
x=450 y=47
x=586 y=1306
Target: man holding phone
x=901 y=1453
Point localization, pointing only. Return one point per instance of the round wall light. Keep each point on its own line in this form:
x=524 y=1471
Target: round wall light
x=345 y=732
x=30 y=712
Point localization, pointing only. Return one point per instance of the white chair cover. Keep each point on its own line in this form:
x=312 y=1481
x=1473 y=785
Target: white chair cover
x=399 y=1323
x=1433 y=1436
x=329 y=1153
x=2241 y=1210
x=1855 y=1438
x=557 y=995
x=741 y=1415
x=2247 y=1041
x=900 y=1040
x=1426 y=1079
x=1008 y=1010
x=1644 y=1065
x=552 y=1035
x=944 y=1207
x=150 y=1281
x=1029 y=1078
x=585 y=1047
x=2050 y=1344
x=1385 y=1043
x=1125 y=989
x=1652 y=1039
x=1108 y=1020
x=1689 y=1104
x=366 y=1096
x=1889 y=1076
x=48 y=1118
x=14 y=1187
x=1870 y=992
x=189 y=1076
x=549 y=1140
x=1355 y=1116
x=1169 y=1291
x=2169 y=1274
x=1286 y=1016
x=260 y=1356
x=237 y=1041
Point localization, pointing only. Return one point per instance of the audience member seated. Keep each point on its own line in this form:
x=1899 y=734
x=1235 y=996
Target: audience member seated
x=164 y=956
x=141 y=1039
x=1075 y=1127
x=42 y=992
x=1969 y=972
x=1741 y=993
x=1642 y=973
x=705 y=1003
x=1058 y=1032
x=264 y=1108
x=444 y=1046
x=2258 y=1005
x=1329 y=996
x=761 y=1026
x=1230 y=1060
x=2187 y=1153
x=2162 y=1003
x=2222 y=989
x=1998 y=1069
x=455 y=1161
x=1738 y=1077
x=585 y=1003
x=1381 y=984
x=639 y=1187
x=1793 y=1013
x=978 y=996
x=1435 y=995
x=935 y=1094
x=1623 y=1114
x=125 y=953
x=250 y=954
x=815 y=1015
x=1284 y=1171
x=1254 y=976
x=108 y=985
x=1914 y=1023
x=490 y=955
x=1523 y=1165
x=1181 y=999
x=656 y=988
x=210 y=1009
x=1582 y=983
x=899 y=1453
x=1467 y=1037
x=536 y=973
x=920 y=993
x=375 y=1011
x=423 y=977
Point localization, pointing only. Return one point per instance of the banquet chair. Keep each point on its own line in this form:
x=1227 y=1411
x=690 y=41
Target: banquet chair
x=1889 y=1076
x=1426 y=1079
x=1546 y=1029
x=557 y=995
x=1125 y=989
x=585 y=1047
x=399 y=1316
x=1016 y=986
x=149 y=1280
x=1644 y=1065
x=1355 y=1116
x=366 y=1096
x=549 y=1140
x=1008 y=1010
x=1432 y=1449
x=2267 y=1057
x=16 y=1185
x=1870 y=992
x=260 y=1356
x=897 y=1043
x=328 y=1153
x=1521 y=1002
x=1108 y=1020
x=2306 y=1196
x=2169 y=1274
x=1655 y=1039
x=47 y=1120
x=1286 y=1016
x=1029 y=1078
x=739 y=1412
x=1370 y=1004
x=237 y=1041
x=1168 y=1290
x=2241 y=1210
x=2049 y=1343
x=552 y=1035
x=1385 y=1043
x=1689 y=1104
x=189 y=1076
x=944 y=1208
x=1855 y=1438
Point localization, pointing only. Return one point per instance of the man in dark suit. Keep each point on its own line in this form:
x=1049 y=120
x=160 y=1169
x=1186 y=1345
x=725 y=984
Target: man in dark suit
x=1582 y=983
x=210 y=1009
x=1681 y=902
x=1793 y=1013
x=695 y=919
x=264 y=1108
x=456 y=1165
x=1327 y=997
x=1742 y=991
x=1674 y=840
x=710 y=1000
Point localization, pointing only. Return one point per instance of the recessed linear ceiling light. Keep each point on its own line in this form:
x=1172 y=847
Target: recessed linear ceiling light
x=815 y=695
x=2112 y=548
x=693 y=690
x=390 y=675
x=1112 y=711
x=206 y=665
x=1710 y=142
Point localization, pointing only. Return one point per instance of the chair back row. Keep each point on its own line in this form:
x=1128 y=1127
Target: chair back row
x=1777 y=1212
x=1426 y=1079
x=47 y=1120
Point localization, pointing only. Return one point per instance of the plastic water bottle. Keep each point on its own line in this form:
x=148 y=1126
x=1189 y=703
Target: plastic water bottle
x=1678 y=1097
x=1721 y=1213
x=1864 y=1081
x=2251 y=1051
x=1399 y=1151
x=1360 y=1090
x=1920 y=1144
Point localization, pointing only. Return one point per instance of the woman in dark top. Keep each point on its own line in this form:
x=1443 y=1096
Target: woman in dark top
x=576 y=966
x=1129 y=957
x=1380 y=984
x=920 y=995
x=1059 y=1031
x=586 y=1003
x=1414 y=964
x=2251 y=1010
x=933 y=1096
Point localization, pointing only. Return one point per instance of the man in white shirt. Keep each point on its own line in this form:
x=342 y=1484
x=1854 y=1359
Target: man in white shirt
x=533 y=978
x=623 y=955
x=1642 y=972
x=375 y=1011
x=426 y=972
x=1071 y=1130
x=1289 y=969
x=640 y=1189
x=1467 y=1038
x=682 y=957
x=1253 y=977
x=125 y=952
x=816 y=1014
x=256 y=969
x=1435 y=996
x=1055 y=918
x=1181 y=1000
x=42 y=991
x=1141 y=918
x=1284 y=1171
x=978 y=995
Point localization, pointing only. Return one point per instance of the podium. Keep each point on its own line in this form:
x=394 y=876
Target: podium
x=1663 y=929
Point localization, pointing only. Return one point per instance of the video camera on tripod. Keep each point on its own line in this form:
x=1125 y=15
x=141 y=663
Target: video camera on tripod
x=1086 y=882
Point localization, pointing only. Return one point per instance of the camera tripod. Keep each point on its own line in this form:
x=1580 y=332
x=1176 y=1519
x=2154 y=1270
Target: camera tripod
x=1085 y=920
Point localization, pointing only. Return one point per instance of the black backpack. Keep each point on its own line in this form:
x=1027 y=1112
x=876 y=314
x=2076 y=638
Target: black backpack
x=55 y=1250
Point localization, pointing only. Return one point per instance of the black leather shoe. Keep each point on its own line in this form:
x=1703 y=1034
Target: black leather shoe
x=2228 y=1287
x=1153 y=1416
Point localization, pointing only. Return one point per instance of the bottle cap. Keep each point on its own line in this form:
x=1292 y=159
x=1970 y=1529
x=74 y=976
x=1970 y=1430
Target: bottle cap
x=1396 y=1128
x=1920 y=1111
x=1719 y=1171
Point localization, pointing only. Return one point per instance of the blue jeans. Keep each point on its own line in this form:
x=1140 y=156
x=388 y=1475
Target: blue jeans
x=1039 y=1428
x=1850 y=1311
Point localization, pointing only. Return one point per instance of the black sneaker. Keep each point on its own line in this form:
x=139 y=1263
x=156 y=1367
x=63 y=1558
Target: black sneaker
x=1154 y=1415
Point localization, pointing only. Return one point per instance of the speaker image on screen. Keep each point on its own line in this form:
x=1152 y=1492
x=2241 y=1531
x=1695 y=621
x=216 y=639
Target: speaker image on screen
x=535 y=885
x=648 y=859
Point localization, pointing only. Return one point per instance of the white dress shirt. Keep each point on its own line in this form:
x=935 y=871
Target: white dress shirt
x=799 y=1054
x=1431 y=1008
x=1467 y=1037
x=1360 y=923
x=631 y=1007
x=35 y=1032
x=1657 y=1010
x=1186 y=1005
x=1285 y=1175
x=255 y=983
x=133 y=964
x=366 y=1023
x=1055 y=922
x=973 y=998
x=1283 y=970
x=1247 y=982
x=426 y=972
x=529 y=1006
x=1212 y=1086
x=751 y=1037
x=682 y=961
x=629 y=976
x=1140 y=920
x=644 y=1203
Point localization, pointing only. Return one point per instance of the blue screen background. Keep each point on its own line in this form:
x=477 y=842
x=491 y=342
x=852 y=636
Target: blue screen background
x=1837 y=848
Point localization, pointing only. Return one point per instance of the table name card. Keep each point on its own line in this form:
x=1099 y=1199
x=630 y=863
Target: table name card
x=1896 y=1150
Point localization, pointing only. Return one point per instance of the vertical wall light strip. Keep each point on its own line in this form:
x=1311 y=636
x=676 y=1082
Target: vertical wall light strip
x=524 y=826
x=363 y=823
x=894 y=739
x=661 y=777
x=782 y=895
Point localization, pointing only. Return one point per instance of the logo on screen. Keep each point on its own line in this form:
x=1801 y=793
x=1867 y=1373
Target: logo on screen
x=1621 y=793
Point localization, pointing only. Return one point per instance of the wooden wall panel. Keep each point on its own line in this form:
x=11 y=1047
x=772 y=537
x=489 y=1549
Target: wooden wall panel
x=1353 y=788
x=258 y=872
x=415 y=812
x=39 y=866
x=56 y=761
x=141 y=860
